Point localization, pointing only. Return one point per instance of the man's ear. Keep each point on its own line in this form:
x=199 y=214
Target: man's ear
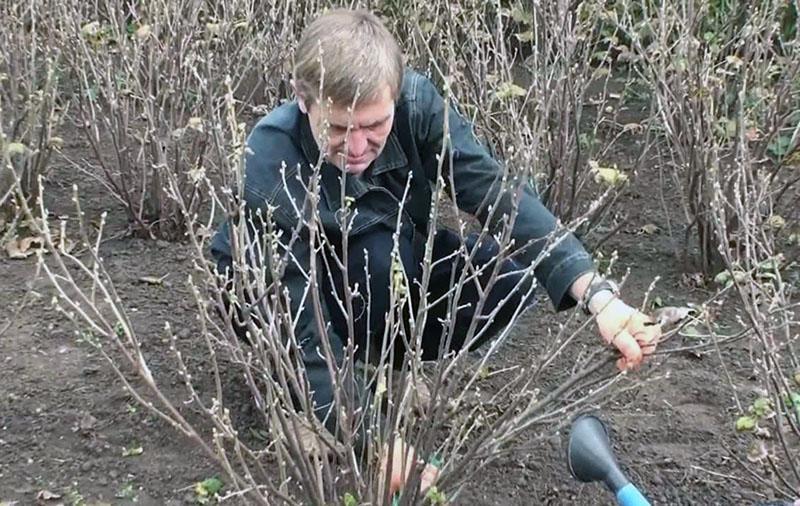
x=301 y=101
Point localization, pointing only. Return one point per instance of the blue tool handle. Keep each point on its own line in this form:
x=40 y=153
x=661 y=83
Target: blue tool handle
x=629 y=495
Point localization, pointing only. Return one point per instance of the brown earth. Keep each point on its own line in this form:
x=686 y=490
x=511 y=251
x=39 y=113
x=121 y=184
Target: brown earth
x=65 y=419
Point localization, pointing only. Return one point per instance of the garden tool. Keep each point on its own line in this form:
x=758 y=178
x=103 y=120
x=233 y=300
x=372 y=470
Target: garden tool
x=590 y=458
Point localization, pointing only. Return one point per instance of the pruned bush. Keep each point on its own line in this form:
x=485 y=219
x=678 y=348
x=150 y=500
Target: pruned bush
x=724 y=78
x=30 y=109
x=542 y=84
x=147 y=77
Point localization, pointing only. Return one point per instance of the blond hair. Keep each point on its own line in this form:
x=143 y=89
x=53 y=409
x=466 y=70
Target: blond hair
x=349 y=54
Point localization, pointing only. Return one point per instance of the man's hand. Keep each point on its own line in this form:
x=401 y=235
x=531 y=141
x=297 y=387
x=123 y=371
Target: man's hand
x=633 y=333
x=403 y=458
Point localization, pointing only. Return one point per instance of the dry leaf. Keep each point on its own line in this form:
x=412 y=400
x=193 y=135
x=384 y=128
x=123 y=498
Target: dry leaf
x=87 y=422
x=56 y=142
x=195 y=123
x=649 y=229
x=693 y=280
x=757 y=451
x=132 y=452
x=610 y=176
x=23 y=248
x=763 y=432
x=793 y=160
x=46 y=495
x=510 y=90
x=315 y=441
x=734 y=60
x=776 y=222
x=143 y=32
x=671 y=315
x=204 y=232
x=153 y=280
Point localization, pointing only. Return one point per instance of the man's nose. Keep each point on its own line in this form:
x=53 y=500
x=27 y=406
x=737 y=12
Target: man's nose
x=356 y=143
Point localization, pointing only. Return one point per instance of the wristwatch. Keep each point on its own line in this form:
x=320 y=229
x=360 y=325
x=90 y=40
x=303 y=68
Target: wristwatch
x=597 y=285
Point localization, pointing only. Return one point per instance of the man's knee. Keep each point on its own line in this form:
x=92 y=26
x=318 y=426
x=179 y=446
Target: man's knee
x=372 y=255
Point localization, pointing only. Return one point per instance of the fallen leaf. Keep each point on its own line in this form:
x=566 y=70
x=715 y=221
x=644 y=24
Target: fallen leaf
x=87 y=422
x=793 y=160
x=671 y=315
x=693 y=279
x=208 y=487
x=46 y=495
x=745 y=423
x=649 y=229
x=610 y=176
x=23 y=248
x=195 y=123
x=90 y=29
x=763 y=433
x=775 y=222
x=132 y=452
x=153 y=280
x=632 y=127
x=510 y=90
x=757 y=451
x=143 y=32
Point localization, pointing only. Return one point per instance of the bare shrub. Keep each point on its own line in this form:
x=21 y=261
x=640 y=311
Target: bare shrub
x=722 y=74
x=766 y=287
x=299 y=462
x=30 y=112
x=541 y=82
x=725 y=85
x=148 y=75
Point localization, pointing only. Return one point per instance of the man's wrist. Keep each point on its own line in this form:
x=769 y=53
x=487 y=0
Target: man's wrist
x=600 y=300
x=598 y=295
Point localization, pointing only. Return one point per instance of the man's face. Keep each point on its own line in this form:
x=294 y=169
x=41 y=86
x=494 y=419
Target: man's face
x=352 y=139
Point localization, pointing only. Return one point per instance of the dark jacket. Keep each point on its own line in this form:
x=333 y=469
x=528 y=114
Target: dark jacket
x=282 y=147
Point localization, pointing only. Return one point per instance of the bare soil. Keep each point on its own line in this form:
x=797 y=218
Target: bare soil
x=65 y=420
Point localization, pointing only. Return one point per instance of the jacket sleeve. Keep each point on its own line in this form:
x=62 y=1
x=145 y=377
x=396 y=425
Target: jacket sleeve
x=478 y=182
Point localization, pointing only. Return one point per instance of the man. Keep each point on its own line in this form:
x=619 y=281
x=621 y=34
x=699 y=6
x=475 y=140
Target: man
x=379 y=130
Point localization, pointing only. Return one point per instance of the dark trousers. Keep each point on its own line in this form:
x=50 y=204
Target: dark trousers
x=370 y=307
x=508 y=292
